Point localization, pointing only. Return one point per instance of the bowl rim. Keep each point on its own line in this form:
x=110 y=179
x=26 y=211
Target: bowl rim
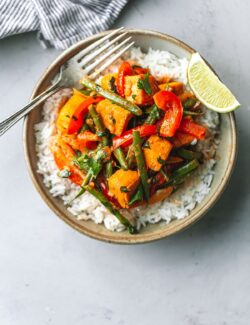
x=186 y=222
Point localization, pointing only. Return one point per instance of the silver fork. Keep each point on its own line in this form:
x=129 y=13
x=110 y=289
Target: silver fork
x=86 y=62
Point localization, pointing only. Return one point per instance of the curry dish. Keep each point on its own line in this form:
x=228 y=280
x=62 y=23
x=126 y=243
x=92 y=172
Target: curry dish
x=127 y=140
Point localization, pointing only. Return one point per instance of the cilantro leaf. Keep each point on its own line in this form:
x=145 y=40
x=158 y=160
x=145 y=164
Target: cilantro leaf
x=145 y=84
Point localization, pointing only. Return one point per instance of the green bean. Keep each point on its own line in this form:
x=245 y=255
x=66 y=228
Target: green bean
x=188 y=154
x=112 y=96
x=180 y=174
x=193 y=113
x=184 y=170
x=99 y=125
x=108 y=169
x=84 y=128
x=119 y=154
x=138 y=195
x=130 y=157
x=139 y=156
x=189 y=103
x=109 y=206
x=153 y=116
x=85 y=92
x=85 y=182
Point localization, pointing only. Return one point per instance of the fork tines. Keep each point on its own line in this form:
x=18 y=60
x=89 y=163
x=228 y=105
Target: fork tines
x=96 y=53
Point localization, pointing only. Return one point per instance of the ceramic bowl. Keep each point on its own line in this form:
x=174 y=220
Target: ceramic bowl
x=223 y=169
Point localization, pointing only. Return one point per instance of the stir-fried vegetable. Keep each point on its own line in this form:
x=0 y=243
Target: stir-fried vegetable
x=126 y=142
x=119 y=154
x=188 y=126
x=127 y=137
x=124 y=70
x=139 y=156
x=132 y=229
x=172 y=106
x=134 y=109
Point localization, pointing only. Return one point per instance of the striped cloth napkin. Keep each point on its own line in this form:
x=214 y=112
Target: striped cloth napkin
x=59 y=23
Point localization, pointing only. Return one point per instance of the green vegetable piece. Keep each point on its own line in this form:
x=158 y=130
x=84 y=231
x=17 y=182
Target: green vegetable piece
x=92 y=165
x=100 y=129
x=119 y=154
x=146 y=145
x=64 y=173
x=112 y=85
x=132 y=229
x=153 y=116
x=112 y=96
x=138 y=196
x=189 y=103
x=139 y=156
x=188 y=154
x=124 y=189
x=108 y=169
x=160 y=160
x=180 y=174
x=144 y=84
x=186 y=169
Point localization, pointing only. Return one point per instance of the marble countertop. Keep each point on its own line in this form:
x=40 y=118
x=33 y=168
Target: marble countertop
x=50 y=274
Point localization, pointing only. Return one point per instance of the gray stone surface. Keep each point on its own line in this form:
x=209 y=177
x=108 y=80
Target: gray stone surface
x=50 y=274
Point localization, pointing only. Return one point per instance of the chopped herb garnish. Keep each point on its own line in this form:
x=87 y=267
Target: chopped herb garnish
x=112 y=119
x=112 y=85
x=160 y=160
x=85 y=92
x=146 y=145
x=64 y=173
x=145 y=84
x=137 y=196
x=134 y=96
x=189 y=103
x=124 y=189
x=101 y=133
x=135 y=66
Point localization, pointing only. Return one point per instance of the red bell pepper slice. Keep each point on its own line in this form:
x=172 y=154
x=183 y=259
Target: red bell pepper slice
x=190 y=127
x=105 y=192
x=140 y=70
x=88 y=139
x=76 y=120
x=169 y=102
x=159 y=179
x=125 y=69
x=126 y=138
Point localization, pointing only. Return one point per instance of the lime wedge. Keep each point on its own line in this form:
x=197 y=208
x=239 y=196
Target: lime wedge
x=208 y=88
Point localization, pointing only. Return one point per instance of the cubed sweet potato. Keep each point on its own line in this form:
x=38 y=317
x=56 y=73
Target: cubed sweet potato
x=122 y=184
x=136 y=95
x=108 y=81
x=115 y=118
x=157 y=152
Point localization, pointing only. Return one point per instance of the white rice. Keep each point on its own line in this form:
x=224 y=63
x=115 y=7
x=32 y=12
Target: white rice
x=178 y=205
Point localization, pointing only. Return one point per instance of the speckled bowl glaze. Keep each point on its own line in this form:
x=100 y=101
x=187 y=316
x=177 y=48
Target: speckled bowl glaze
x=223 y=170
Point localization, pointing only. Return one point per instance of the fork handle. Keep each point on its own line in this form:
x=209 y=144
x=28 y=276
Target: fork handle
x=14 y=118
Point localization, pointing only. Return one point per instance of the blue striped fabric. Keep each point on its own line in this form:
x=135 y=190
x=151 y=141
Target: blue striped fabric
x=59 y=23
